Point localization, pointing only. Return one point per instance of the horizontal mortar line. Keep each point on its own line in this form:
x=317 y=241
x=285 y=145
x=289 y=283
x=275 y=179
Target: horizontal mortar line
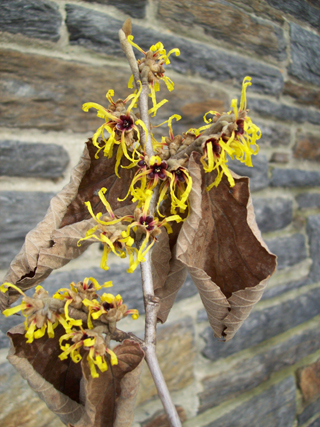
x=231 y=404
x=262 y=347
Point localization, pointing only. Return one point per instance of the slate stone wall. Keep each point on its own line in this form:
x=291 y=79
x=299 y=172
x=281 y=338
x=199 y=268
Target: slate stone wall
x=54 y=56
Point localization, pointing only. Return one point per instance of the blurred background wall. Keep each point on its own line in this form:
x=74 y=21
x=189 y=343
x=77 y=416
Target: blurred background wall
x=56 y=55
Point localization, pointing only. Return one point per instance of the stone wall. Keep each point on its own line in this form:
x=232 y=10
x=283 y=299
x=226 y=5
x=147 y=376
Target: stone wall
x=56 y=55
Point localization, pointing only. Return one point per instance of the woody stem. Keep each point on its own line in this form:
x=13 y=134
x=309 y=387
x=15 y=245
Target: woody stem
x=143 y=99
x=152 y=305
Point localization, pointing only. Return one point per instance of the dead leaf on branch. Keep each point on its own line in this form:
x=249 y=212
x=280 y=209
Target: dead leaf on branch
x=53 y=243
x=169 y=273
x=223 y=250
x=68 y=388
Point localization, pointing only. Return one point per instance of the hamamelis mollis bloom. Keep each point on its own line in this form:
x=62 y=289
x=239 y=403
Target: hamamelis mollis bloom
x=122 y=126
x=110 y=309
x=150 y=226
x=111 y=232
x=151 y=67
x=232 y=133
x=40 y=312
x=90 y=341
x=77 y=293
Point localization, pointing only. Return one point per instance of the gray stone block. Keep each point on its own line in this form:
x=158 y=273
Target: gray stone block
x=272 y=213
x=294 y=178
x=299 y=9
x=249 y=373
x=274 y=407
x=136 y=8
x=98 y=31
x=305 y=46
x=310 y=411
x=316 y=423
x=289 y=250
x=267 y=108
x=273 y=135
x=32 y=160
x=308 y=200
x=258 y=174
x=264 y=324
x=20 y=212
x=33 y=18
x=278 y=290
x=313 y=230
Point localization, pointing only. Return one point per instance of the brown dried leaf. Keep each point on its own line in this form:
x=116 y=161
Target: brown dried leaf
x=169 y=273
x=53 y=243
x=68 y=388
x=226 y=256
x=100 y=174
x=56 y=382
x=221 y=246
x=127 y=27
x=104 y=394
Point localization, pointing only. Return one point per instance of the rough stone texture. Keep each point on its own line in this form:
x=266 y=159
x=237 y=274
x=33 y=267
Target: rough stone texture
x=307 y=147
x=308 y=200
x=28 y=410
x=48 y=93
x=311 y=410
x=305 y=63
x=273 y=407
x=136 y=9
x=280 y=158
x=53 y=95
x=267 y=108
x=301 y=94
x=160 y=419
x=313 y=230
x=286 y=287
x=259 y=8
x=309 y=381
x=294 y=178
x=299 y=9
x=100 y=32
x=273 y=135
x=246 y=374
x=32 y=160
x=20 y=212
x=289 y=250
x=272 y=213
x=264 y=324
x=176 y=338
x=258 y=174
x=128 y=286
x=216 y=18
x=32 y=18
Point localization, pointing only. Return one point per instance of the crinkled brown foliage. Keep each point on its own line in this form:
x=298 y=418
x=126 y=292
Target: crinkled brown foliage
x=221 y=247
x=69 y=389
x=53 y=243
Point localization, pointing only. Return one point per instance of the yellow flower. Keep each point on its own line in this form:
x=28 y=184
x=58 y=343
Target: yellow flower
x=110 y=307
x=39 y=317
x=232 y=134
x=151 y=67
x=121 y=125
x=92 y=342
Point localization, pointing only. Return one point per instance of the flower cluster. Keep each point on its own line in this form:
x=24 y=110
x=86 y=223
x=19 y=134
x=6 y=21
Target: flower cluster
x=41 y=313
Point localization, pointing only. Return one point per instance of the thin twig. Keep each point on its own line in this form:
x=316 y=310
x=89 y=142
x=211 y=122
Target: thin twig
x=151 y=302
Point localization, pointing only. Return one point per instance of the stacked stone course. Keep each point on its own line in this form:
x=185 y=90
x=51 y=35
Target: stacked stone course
x=54 y=56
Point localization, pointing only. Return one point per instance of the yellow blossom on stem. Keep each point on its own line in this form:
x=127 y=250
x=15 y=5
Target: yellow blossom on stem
x=40 y=316
x=151 y=67
x=120 y=126
x=93 y=343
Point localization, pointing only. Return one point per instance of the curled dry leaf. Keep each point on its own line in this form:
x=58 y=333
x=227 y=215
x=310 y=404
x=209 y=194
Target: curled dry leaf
x=68 y=388
x=222 y=248
x=53 y=243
